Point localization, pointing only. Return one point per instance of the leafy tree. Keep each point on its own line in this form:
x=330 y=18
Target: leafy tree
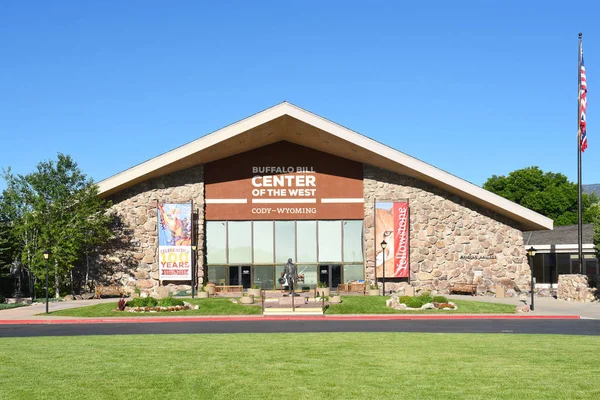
x=550 y=194
x=6 y=254
x=55 y=208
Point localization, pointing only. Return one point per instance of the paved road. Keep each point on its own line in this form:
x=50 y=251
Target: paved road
x=570 y=327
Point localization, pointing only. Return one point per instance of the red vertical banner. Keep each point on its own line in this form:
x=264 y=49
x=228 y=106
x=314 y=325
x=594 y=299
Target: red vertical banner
x=401 y=240
x=392 y=225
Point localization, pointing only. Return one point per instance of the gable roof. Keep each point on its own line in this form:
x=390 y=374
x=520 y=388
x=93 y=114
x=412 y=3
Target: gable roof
x=560 y=235
x=288 y=122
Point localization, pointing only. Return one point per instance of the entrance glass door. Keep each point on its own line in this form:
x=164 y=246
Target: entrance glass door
x=336 y=275
x=324 y=273
x=246 y=276
x=240 y=275
x=234 y=276
x=331 y=274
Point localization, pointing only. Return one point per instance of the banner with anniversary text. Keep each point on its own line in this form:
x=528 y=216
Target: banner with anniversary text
x=392 y=225
x=175 y=242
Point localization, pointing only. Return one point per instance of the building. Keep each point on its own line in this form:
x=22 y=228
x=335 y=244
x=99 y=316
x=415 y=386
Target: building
x=286 y=183
x=557 y=253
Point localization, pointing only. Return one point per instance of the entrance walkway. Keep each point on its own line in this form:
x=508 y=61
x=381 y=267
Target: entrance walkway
x=542 y=305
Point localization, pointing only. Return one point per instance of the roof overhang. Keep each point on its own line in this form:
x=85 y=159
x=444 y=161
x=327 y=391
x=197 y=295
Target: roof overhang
x=291 y=123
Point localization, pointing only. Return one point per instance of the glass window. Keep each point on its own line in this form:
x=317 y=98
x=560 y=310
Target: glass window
x=550 y=268
x=353 y=273
x=263 y=242
x=353 y=241
x=590 y=268
x=263 y=277
x=563 y=262
x=307 y=277
x=216 y=242
x=285 y=241
x=217 y=275
x=330 y=241
x=307 y=241
x=538 y=269
x=240 y=242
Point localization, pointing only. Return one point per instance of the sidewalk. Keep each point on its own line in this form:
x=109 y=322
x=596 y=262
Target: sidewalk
x=545 y=307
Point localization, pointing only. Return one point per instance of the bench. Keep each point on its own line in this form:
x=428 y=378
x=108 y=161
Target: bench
x=229 y=289
x=464 y=288
x=352 y=287
x=110 y=290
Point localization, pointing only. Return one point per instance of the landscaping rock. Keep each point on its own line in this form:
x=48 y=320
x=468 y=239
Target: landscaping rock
x=68 y=298
x=575 y=287
x=427 y=306
x=523 y=308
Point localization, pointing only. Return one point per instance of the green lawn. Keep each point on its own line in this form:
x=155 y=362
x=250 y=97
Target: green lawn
x=301 y=366
x=376 y=305
x=207 y=307
x=350 y=305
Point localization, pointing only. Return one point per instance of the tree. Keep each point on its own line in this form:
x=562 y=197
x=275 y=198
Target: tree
x=55 y=208
x=550 y=194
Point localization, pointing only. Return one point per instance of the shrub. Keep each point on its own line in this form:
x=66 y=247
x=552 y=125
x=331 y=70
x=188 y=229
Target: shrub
x=142 y=302
x=121 y=304
x=12 y=305
x=440 y=299
x=170 y=302
x=414 y=302
x=323 y=285
x=404 y=299
x=425 y=297
x=255 y=287
x=2 y=299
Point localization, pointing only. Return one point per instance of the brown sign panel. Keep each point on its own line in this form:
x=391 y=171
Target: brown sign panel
x=283 y=181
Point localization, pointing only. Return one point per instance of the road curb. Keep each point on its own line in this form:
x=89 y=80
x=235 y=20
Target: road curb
x=138 y=320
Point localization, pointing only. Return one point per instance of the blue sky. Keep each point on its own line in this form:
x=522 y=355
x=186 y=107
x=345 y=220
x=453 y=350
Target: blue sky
x=474 y=88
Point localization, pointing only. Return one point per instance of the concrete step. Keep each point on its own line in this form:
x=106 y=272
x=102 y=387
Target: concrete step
x=297 y=311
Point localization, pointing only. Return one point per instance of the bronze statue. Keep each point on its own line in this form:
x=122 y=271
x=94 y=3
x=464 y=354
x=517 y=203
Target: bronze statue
x=16 y=272
x=291 y=275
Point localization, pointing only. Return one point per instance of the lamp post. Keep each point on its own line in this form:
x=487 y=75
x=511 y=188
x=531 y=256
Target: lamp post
x=193 y=269
x=47 y=256
x=383 y=246
x=531 y=253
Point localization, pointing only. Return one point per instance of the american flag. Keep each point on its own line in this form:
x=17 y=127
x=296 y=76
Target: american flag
x=582 y=105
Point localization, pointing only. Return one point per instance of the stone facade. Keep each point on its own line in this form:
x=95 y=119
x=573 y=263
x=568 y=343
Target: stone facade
x=135 y=263
x=575 y=288
x=451 y=239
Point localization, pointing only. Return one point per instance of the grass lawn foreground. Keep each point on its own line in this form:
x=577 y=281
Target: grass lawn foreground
x=301 y=366
x=350 y=305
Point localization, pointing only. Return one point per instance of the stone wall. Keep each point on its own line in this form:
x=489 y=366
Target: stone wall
x=451 y=239
x=575 y=288
x=135 y=262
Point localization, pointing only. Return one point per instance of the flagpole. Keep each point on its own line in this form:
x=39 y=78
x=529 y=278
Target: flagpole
x=579 y=213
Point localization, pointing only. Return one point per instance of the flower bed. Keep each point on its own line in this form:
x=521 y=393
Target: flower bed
x=421 y=302
x=150 y=304
x=185 y=306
